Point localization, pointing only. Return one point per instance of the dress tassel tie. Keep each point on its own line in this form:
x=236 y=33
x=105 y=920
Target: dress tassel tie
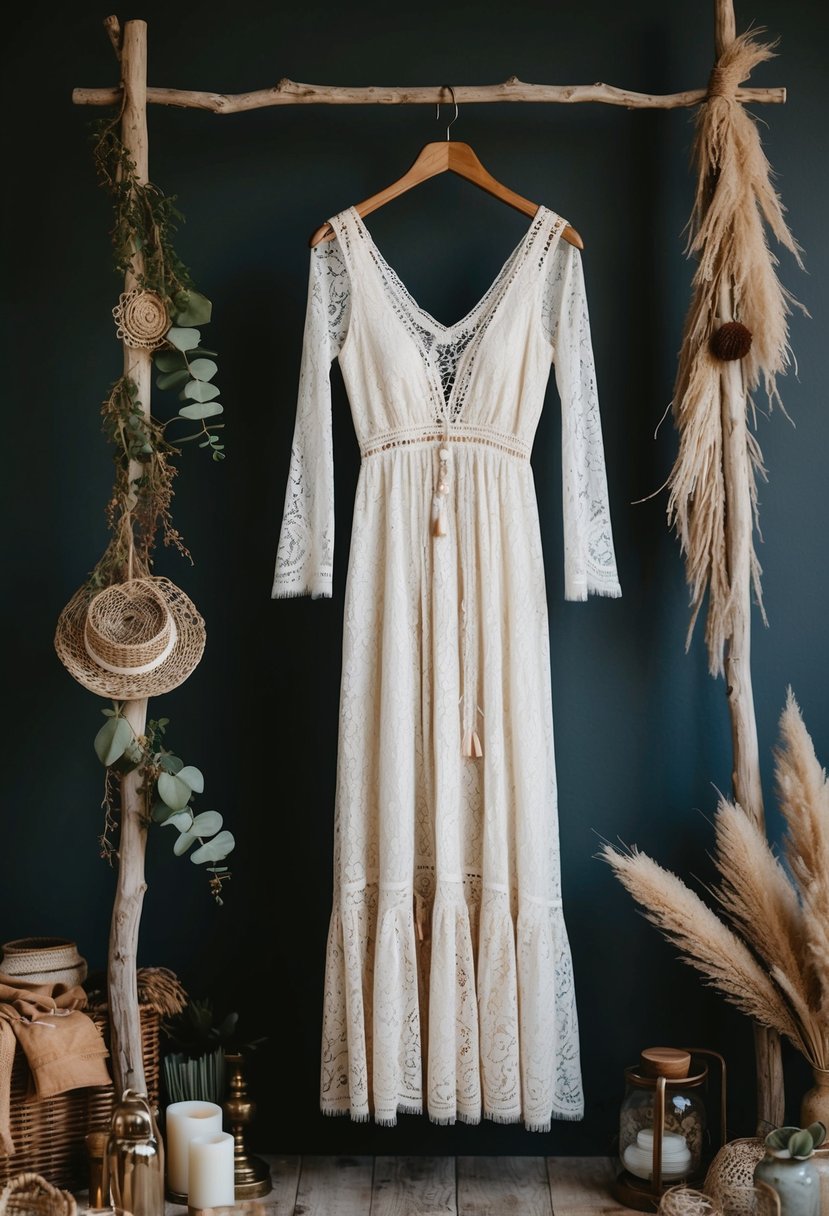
x=439 y=527
x=472 y=745
x=421 y=917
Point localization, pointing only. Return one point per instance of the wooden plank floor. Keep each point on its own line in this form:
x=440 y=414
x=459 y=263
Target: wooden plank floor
x=436 y=1186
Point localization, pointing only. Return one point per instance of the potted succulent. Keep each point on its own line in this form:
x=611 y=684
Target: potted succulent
x=199 y=1043
x=193 y=1065
x=787 y=1168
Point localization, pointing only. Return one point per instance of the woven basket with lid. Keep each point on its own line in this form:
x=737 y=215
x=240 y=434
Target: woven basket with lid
x=44 y=960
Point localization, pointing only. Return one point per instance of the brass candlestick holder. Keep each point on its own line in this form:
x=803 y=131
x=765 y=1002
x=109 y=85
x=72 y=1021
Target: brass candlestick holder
x=252 y=1177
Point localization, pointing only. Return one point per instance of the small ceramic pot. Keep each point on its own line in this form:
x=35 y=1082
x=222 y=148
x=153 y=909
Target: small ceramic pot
x=796 y=1182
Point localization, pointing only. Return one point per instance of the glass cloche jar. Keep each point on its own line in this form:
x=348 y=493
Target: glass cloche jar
x=663 y=1124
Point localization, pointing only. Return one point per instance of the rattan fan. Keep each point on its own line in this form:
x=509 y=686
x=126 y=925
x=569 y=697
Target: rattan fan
x=31 y=1195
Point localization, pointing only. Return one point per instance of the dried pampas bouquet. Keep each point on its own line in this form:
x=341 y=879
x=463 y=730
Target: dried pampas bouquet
x=767 y=949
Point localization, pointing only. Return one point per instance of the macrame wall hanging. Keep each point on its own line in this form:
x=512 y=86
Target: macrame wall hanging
x=735 y=339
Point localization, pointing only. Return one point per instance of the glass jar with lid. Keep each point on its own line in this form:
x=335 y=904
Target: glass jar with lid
x=664 y=1135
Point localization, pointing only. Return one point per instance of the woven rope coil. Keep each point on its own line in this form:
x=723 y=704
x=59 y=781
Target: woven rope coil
x=31 y=1195
x=135 y=639
x=725 y=79
x=141 y=319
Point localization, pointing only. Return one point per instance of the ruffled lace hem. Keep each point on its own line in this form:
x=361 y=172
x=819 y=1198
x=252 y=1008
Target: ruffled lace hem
x=462 y=1011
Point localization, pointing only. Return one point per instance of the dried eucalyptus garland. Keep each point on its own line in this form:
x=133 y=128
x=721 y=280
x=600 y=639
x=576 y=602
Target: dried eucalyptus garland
x=161 y=314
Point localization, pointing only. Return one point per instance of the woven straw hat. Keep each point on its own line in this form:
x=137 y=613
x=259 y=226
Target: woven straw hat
x=135 y=639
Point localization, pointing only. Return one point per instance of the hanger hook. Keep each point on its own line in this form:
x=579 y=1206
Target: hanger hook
x=454 y=103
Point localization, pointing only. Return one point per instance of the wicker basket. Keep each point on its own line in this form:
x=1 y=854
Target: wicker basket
x=49 y=1133
x=31 y=1195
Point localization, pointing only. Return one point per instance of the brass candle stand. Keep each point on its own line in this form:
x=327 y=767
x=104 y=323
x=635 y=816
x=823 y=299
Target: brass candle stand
x=252 y=1177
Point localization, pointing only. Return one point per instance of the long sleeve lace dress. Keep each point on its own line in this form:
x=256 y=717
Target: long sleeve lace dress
x=449 y=983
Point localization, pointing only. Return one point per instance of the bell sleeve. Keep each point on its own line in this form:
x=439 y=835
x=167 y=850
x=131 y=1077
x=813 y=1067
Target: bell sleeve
x=305 y=553
x=589 y=557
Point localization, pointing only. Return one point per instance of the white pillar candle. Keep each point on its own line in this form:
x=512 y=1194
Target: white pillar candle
x=211 y=1171
x=185 y=1120
x=676 y=1155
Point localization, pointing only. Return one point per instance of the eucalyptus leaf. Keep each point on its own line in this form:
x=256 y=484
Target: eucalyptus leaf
x=112 y=740
x=193 y=777
x=108 y=713
x=175 y=379
x=174 y=792
x=207 y=823
x=203 y=369
x=169 y=762
x=130 y=758
x=185 y=840
x=183 y=820
x=207 y=410
x=217 y=869
x=182 y=339
x=160 y=811
x=215 y=850
x=196 y=311
x=202 y=350
x=199 y=390
x=170 y=361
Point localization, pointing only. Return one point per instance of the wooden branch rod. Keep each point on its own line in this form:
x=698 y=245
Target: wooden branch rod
x=290 y=92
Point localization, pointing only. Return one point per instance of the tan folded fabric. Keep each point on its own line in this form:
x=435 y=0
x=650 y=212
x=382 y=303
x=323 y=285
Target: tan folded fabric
x=63 y=1047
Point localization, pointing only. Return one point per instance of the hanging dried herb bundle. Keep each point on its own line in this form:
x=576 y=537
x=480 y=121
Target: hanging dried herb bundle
x=166 y=303
x=735 y=204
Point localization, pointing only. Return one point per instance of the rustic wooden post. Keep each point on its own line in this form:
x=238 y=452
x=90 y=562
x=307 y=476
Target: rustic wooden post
x=739 y=522
x=124 y=1014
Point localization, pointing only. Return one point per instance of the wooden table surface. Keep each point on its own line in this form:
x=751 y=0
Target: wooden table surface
x=436 y=1186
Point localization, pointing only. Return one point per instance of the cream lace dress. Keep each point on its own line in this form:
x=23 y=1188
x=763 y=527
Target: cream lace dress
x=449 y=984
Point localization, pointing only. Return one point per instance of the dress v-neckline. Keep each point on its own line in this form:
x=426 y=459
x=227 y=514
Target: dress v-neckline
x=475 y=322
x=395 y=281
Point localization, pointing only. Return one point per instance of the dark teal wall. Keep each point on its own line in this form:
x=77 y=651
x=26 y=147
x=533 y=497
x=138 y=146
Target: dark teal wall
x=642 y=731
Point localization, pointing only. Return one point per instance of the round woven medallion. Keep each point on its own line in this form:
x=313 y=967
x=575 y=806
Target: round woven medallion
x=141 y=319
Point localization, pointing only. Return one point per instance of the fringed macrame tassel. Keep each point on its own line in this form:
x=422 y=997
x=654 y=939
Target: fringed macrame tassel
x=421 y=917
x=472 y=745
x=439 y=515
x=439 y=497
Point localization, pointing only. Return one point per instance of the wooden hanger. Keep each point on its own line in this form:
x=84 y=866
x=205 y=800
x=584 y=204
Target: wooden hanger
x=439 y=157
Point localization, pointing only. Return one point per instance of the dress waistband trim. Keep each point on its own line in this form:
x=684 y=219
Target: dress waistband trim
x=460 y=433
